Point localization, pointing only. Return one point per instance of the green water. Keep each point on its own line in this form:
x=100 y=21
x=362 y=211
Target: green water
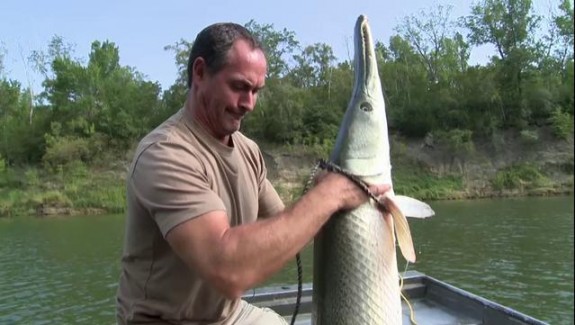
x=518 y=252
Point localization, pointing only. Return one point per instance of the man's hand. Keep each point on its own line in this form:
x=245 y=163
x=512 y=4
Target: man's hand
x=349 y=194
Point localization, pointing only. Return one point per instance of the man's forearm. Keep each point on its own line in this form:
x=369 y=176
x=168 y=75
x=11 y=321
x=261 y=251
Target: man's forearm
x=253 y=252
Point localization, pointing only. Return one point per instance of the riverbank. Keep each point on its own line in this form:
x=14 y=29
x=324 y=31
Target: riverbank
x=515 y=165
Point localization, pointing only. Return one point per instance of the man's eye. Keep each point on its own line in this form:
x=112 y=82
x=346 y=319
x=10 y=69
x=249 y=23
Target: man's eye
x=239 y=86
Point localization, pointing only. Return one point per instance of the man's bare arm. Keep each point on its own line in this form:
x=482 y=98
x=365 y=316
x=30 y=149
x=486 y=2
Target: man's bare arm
x=235 y=259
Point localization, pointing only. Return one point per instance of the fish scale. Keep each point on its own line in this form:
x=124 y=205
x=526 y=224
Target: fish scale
x=356 y=259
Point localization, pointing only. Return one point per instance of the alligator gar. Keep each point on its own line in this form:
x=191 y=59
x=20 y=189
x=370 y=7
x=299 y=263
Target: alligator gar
x=356 y=280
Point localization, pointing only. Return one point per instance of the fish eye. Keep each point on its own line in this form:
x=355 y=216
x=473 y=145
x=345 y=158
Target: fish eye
x=366 y=107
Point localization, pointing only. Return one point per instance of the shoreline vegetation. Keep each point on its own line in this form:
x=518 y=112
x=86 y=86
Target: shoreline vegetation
x=79 y=189
x=458 y=129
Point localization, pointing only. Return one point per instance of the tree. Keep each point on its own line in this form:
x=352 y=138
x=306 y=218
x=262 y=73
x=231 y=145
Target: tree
x=20 y=141
x=511 y=28
x=2 y=54
x=405 y=83
x=562 y=34
x=181 y=49
x=313 y=66
x=442 y=52
x=279 y=45
x=100 y=99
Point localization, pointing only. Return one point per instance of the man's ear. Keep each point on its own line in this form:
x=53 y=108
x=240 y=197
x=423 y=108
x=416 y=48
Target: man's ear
x=199 y=68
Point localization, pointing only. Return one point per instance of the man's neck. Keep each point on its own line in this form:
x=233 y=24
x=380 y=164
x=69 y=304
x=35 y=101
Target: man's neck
x=200 y=117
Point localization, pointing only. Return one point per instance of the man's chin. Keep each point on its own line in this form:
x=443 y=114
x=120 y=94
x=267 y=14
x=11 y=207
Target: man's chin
x=233 y=127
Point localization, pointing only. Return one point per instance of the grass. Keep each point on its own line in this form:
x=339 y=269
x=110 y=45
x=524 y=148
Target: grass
x=415 y=180
x=71 y=189
x=524 y=176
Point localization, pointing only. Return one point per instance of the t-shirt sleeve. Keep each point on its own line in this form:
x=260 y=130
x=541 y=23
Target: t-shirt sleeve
x=170 y=182
x=269 y=201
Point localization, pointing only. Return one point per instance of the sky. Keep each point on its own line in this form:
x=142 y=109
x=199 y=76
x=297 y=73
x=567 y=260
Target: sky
x=141 y=29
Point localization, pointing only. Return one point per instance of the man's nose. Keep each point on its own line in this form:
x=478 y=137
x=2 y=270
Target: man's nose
x=248 y=101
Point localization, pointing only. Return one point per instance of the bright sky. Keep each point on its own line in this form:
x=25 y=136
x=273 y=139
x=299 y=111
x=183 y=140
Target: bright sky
x=141 y=29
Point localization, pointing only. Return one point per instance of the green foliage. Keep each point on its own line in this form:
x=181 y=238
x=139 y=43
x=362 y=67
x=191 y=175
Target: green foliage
x=11 y=202
x=15 y=129
x=561 y=123
x=62 y=190
x=539 y=99
x=416 y=181
x=51 y=198
x=102 y=106
x=10 y=178
x=457 y=141
x=519 y=176
x=278 y=46
x=32 y=177
x=440 y=50
x=64 y=150
x=3 y=166
x=181 y=51
x=510 y=27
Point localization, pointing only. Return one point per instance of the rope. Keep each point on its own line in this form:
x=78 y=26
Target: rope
x=411 y=311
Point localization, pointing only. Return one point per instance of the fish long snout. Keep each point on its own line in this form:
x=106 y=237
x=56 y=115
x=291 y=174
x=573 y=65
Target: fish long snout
x=365 y=59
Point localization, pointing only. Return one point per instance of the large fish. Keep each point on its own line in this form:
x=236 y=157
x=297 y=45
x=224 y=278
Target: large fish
x=356 y=280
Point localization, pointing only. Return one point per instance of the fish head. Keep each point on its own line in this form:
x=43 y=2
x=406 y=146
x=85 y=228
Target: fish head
x=362 y=144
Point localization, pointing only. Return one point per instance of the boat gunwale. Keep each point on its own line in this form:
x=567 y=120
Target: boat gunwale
x=416 y=285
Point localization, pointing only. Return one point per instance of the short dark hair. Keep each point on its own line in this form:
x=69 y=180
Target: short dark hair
x=213 y=43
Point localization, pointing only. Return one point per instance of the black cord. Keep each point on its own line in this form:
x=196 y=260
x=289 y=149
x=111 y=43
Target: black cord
x=299 y=288
x=306 y=187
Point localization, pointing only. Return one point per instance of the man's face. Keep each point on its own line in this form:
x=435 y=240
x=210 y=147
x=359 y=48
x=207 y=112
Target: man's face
x=230 y=93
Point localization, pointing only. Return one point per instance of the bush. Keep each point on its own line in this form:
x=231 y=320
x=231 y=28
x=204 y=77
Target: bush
x=32 y=178
x=2 y=165
x=52 y=198
x=65 y=150
x=456 y=140
x=519 y=176
x=561 y=124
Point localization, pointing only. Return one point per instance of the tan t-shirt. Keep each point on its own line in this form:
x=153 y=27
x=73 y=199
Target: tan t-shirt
x=180 y=172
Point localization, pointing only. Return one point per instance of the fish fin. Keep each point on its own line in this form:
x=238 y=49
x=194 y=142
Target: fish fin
x=411 y=207
x=402 y=232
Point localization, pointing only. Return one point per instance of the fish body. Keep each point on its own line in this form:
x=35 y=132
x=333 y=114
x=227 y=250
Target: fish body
x=355 y=267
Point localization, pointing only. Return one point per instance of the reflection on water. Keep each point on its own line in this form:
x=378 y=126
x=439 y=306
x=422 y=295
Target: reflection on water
x=518 y=252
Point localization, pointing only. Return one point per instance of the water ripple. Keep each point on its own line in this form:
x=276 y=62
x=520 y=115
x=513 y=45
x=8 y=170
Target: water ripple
x=65 y=271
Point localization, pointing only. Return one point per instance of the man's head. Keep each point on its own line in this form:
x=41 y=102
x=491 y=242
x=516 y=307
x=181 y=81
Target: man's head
x=226 y=69
x=213 y=43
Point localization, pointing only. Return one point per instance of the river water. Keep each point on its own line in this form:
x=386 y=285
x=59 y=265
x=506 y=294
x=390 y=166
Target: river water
x=517 y=252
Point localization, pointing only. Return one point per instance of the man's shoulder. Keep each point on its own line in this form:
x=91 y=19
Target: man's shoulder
x=168 y=131
x=172 y=131
x=167 y=143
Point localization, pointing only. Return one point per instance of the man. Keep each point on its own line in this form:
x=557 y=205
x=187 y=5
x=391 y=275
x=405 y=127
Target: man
x=204 y=224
